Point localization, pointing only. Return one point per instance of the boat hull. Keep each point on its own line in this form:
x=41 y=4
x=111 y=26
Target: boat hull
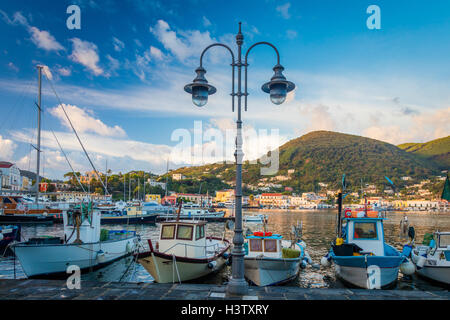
x=26 y=219
x=137 y=219
x=52 y=260
x=270 y=271
x=167 y=269
x=377 y=272
x=437 y=273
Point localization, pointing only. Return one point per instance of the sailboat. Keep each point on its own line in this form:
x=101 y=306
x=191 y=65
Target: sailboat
x=84 y=245
x=14 y=208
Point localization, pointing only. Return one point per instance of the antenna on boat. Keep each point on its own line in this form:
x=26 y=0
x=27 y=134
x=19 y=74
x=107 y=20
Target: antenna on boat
x=179 y=209
x=38 y=146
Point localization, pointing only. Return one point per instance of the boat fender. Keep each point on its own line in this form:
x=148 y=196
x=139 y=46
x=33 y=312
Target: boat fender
x=407 y=268
x=226 y=255
x=421 y=262
x=128 y=247
x=101 y=257
x=212 y=264
x=1 y=236
x=325 y=261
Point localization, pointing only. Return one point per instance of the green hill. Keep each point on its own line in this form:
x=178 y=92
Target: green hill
x=436 y=150
x=323 y=156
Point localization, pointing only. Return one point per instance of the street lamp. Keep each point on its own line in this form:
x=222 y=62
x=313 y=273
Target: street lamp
x=277 y=87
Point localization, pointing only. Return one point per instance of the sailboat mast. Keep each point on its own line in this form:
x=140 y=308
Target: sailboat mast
x=167 y=176
x=38 y=147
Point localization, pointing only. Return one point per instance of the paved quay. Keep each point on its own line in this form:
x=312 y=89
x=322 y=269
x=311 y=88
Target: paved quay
x=27 y=289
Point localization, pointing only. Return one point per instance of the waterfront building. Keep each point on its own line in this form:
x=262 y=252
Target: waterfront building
x=224 y=196
x=10 y=176
x=169 y=200
x=153 y=197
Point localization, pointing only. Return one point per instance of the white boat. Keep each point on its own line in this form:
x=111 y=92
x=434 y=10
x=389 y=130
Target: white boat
x=260 y=218
x=183 y=252
x=270 y=260
x=84 y=245
x=194 y=212
x=433 y=261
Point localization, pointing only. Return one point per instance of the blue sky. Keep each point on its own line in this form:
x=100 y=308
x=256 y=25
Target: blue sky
x=122 y=75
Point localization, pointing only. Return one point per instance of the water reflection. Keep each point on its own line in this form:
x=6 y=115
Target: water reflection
x=318 y=233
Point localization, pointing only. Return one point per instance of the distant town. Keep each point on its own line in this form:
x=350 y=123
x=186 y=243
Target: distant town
x=169 y=188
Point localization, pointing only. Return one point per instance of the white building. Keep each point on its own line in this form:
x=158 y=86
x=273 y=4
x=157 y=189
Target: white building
x=178 y=176
x=154 y=183
x=10 y=176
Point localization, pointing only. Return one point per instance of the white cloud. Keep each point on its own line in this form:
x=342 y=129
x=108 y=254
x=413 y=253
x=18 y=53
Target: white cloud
x=13 y=67
x=47 y=72
x=85 y=53
x=291 y=34
x=183 y=45
x=206 y=22
x=44 y=40
x=284 y=10
x=423 y=127
x=118 y=45
x=84 y=122
x=7 y=148
x=41 y=38
x=65 y=72
x=156 y=53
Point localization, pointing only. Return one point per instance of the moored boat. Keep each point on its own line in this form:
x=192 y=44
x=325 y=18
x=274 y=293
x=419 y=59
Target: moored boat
x=84 y=245
x=270 y=260
x=184 y=252
x=432 y=258
x=360 y=255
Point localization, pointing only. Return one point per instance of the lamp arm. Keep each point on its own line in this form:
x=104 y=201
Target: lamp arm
x=232 y=66
x=246 y=65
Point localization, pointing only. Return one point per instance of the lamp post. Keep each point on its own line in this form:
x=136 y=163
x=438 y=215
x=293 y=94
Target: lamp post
x=277 y=87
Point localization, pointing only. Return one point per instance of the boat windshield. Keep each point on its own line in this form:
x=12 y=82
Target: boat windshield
x=365 y=230
x=444 y=240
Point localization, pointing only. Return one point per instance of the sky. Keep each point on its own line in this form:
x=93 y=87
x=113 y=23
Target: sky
x=120 y=78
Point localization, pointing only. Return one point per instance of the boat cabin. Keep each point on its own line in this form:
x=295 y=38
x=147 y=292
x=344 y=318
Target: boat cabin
x=266 y=244
x=442 y=240
x=366 y=233
x=185 y=238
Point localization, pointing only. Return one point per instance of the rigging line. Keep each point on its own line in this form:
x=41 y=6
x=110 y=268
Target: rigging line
x=65 y=156
x=76 y=134
x=62 y=150
x=19 y=101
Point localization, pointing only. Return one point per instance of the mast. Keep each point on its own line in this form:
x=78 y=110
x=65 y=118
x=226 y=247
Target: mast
x=124 y=187
x=167 y=175
x=38 y=147
x=106 y=179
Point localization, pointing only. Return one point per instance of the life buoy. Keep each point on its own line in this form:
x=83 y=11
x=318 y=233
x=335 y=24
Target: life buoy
x=348 y=213
x=262 y=234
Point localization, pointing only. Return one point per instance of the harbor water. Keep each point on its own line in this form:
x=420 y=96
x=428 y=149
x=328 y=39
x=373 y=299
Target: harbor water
x=318 y=233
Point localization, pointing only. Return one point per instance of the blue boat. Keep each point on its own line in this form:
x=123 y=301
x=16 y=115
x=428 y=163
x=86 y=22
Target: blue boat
x=361 y=256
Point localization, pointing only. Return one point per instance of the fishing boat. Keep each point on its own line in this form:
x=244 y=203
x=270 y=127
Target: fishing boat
x=184 y=252
x=360 y=254
x=432 y=258
x=84 y=245
x=8 y=235
x=270 y=260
